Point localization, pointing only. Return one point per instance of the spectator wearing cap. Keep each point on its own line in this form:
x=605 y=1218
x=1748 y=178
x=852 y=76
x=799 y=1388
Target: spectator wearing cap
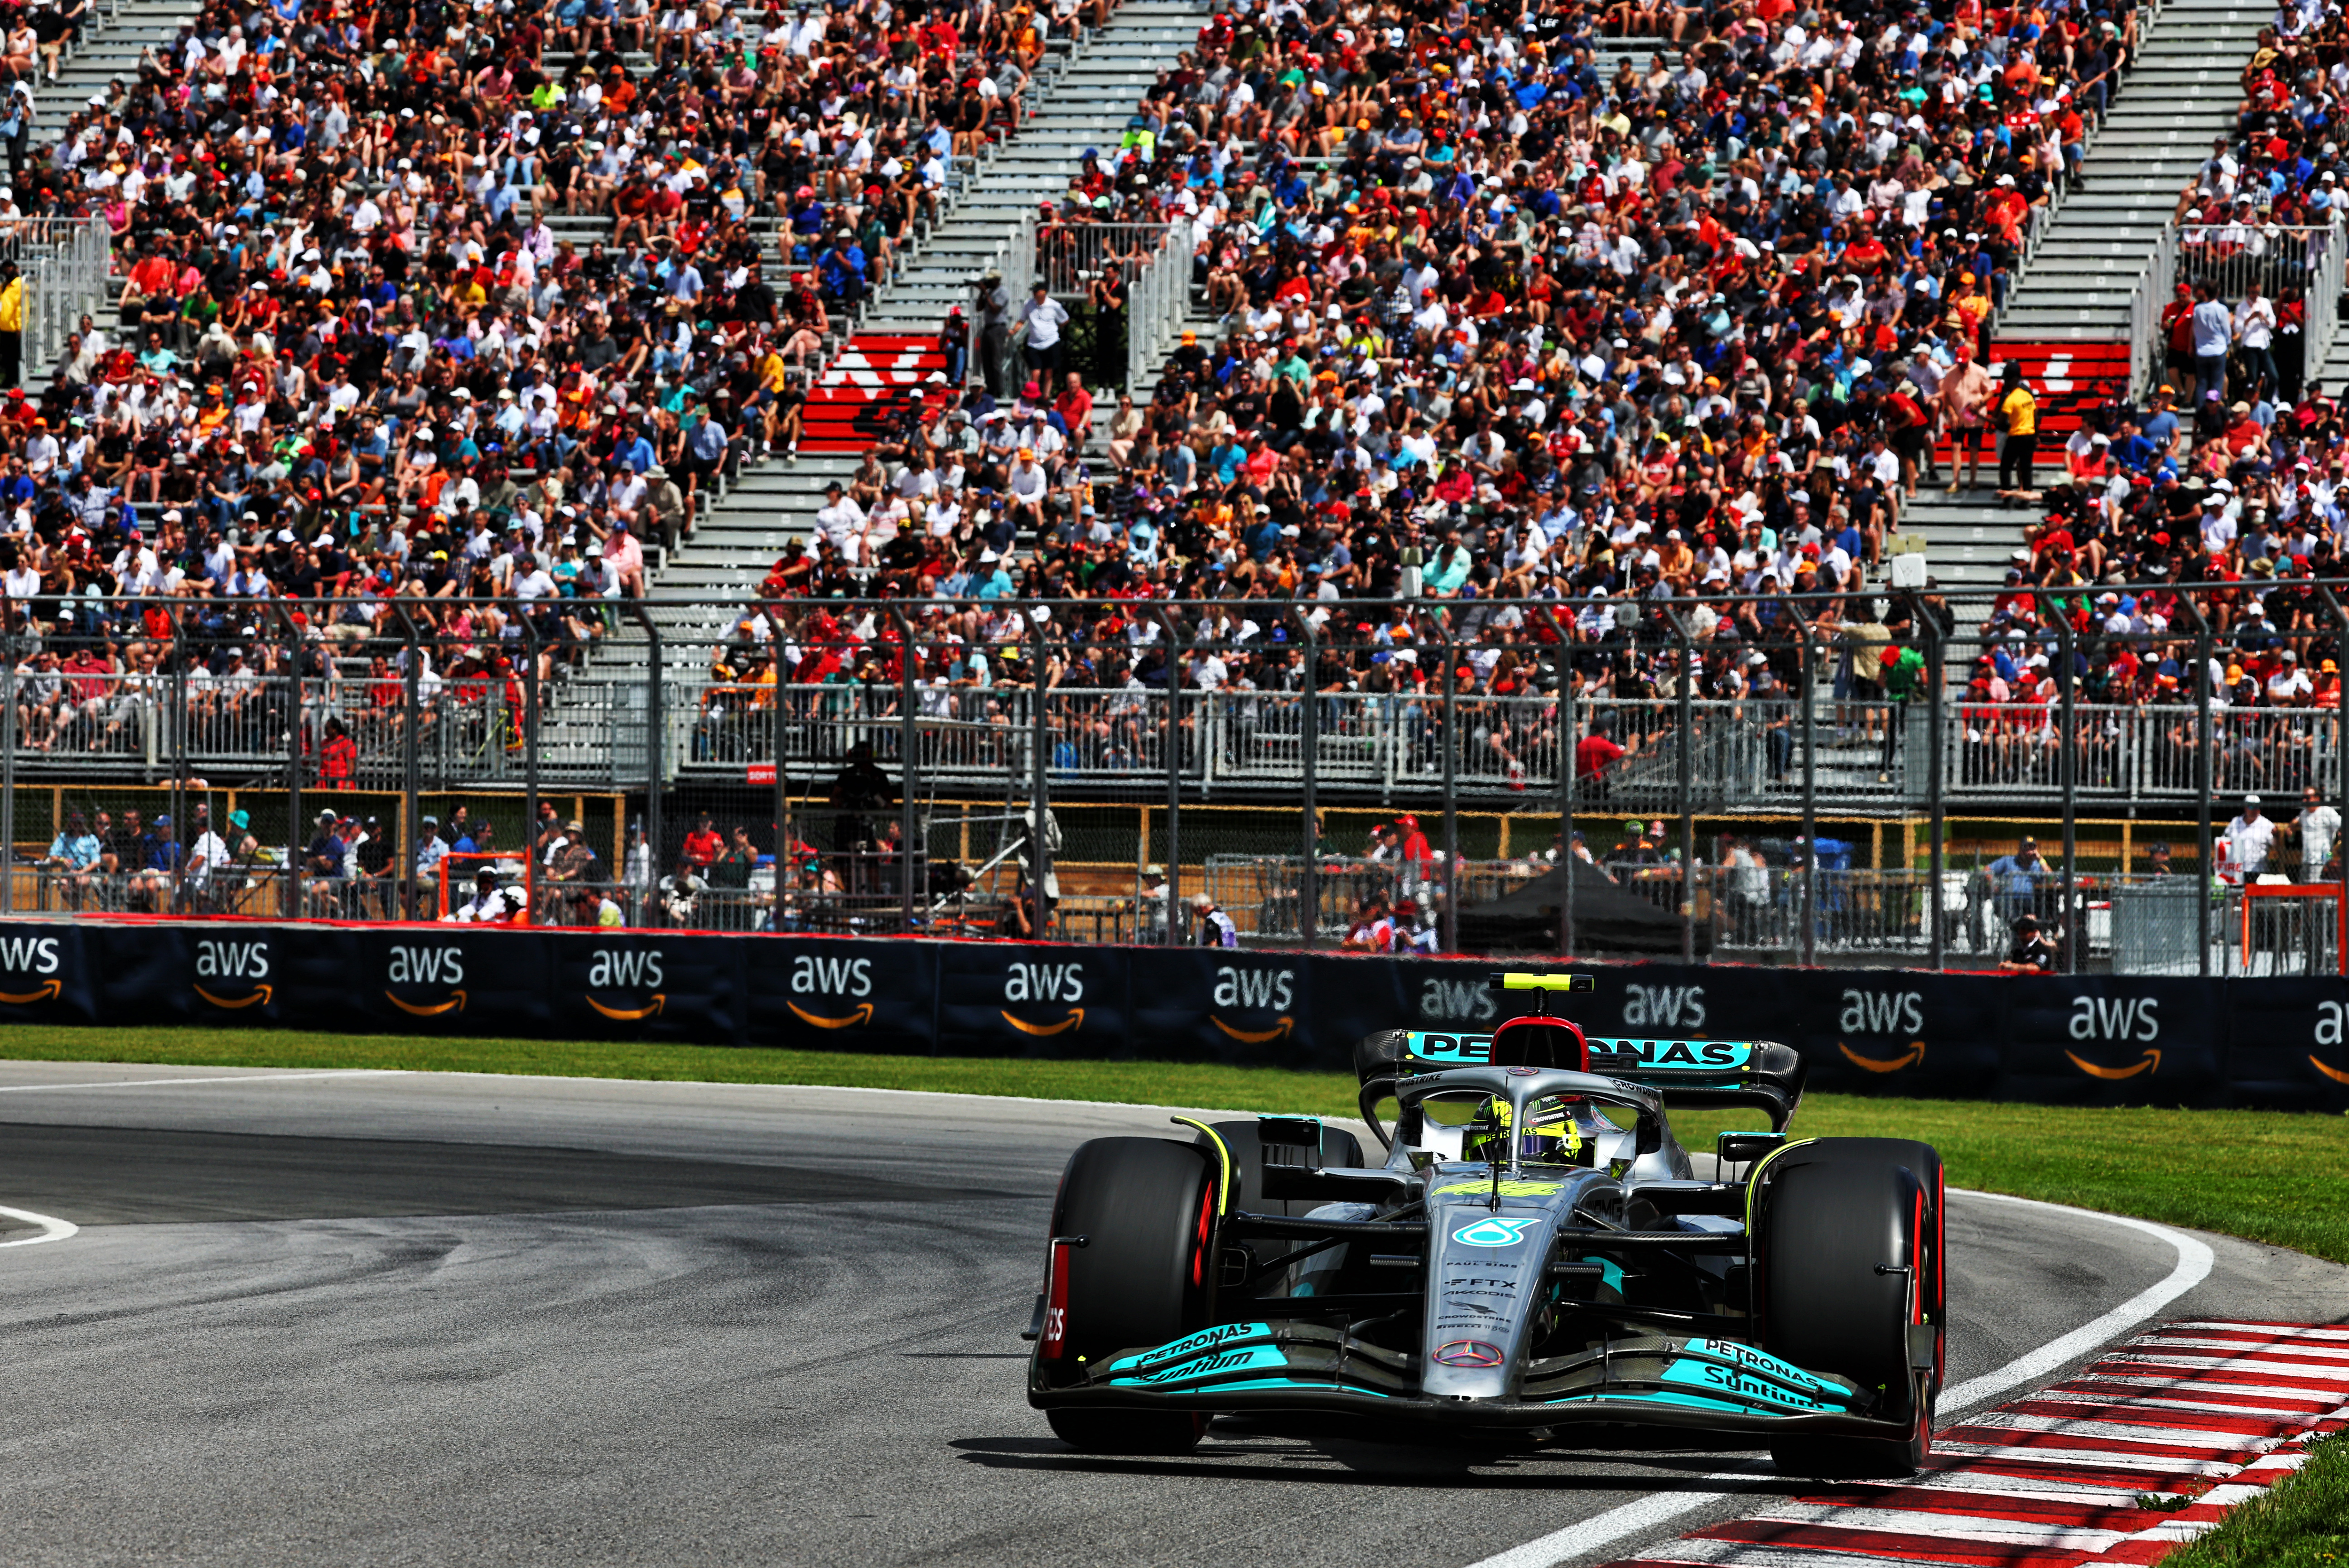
x=431 y=850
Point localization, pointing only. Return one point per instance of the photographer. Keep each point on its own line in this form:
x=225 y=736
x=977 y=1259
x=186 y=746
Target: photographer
x=994 y=306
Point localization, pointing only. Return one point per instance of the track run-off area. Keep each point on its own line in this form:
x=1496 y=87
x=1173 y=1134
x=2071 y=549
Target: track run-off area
x=363 y=1317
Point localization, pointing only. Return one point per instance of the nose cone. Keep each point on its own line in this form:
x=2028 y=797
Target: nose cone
x=1484 y=1285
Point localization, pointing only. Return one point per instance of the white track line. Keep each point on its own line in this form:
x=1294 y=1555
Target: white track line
x=1646 y=1515
x=52 y=1230
x=263 y=1077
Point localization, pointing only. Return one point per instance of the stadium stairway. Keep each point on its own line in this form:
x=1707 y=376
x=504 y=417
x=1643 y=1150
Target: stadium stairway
x=705 y=585
x=2181 y=92
x=110 y=46
x=775 y=501
x=2067 y=320
x=1089 y=104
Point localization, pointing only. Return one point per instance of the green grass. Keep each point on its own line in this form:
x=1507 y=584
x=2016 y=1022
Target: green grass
x=2303 y=1522
x=2261 y=1175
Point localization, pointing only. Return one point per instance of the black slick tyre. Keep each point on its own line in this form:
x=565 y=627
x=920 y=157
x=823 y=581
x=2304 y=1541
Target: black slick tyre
x=1145 y=1207
x=1923 y=1161
x=1830 y=1229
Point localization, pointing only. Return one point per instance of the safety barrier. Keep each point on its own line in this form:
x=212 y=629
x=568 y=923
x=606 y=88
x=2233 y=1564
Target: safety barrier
x=2085 y=1040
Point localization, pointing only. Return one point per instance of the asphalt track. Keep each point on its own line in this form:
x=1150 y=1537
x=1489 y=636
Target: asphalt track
x=366 y=1318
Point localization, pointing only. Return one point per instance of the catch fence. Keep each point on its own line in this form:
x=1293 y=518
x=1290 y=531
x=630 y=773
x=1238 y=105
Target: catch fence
x=884 y=767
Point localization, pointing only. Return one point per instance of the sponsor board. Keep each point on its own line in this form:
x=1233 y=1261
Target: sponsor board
x=2090 y=1039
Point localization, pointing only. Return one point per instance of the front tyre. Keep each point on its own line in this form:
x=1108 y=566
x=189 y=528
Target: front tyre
x=1845 y=1249
x=1146 y=1209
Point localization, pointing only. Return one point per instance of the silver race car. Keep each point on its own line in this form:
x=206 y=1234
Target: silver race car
x=1534 y=1253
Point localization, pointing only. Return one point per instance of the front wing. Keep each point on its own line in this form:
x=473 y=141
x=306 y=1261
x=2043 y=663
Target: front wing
x=1711 y=1385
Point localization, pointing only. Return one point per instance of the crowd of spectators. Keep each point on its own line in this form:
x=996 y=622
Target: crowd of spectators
x=1498 y=332
x=346 y=355
x=1529 y=343
x=1535 y=347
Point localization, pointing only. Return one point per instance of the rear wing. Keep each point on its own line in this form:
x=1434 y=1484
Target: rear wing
x=1692 y=1073
x=1710 y=1073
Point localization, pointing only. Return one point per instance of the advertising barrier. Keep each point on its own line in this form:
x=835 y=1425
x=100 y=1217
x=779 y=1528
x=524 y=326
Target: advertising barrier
x=2088 y=1040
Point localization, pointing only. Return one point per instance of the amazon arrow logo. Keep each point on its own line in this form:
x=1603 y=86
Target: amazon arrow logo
x=456 y=1003
x=860 y=1016
x=1255 y=1036
x=1075 y=1020
x=1911 y=1057
x=631 y=1015
x=260 y=994
x=46 y=991
x=2335 y=1074
x=2150 y=1062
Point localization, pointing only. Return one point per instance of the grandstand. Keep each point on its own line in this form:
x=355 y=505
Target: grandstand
x=1428 y=364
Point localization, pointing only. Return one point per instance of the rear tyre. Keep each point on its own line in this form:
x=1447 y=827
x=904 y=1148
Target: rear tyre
x=1146 y=1210
x=1827 y=1224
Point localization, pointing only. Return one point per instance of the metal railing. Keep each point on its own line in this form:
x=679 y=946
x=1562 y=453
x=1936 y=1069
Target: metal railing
x=64 y=264
x=2302 y=260
x=1158 y=297
x=1742 y=754
x=1014 y=257
x=1070 y=256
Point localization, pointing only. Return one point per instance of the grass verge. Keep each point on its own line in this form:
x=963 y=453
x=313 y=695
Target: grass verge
x=2301 y=1522
x=2260 y=1175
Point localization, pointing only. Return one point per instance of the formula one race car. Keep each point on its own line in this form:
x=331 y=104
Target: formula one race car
x=1534 y=1254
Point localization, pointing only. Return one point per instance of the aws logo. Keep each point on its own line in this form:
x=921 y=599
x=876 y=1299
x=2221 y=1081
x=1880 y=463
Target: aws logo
x=1048 y=983
x=1256 y=991
x=23 y=957
x=232 y=962
x=1883 y=1012
x=2117 y=1020
x=816 y=977
x=636 y=970
x=1447 y=1001
x=1673 y=1006
x=2328 y=1033
x=435 y=967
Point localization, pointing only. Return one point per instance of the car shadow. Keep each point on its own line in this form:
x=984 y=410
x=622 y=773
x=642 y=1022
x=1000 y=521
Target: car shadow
x=1325 y=1461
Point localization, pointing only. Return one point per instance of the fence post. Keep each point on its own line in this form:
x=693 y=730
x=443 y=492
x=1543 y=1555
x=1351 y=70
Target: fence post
x=1936 y=672
x=780 y=789
x=291 y=901
x=7 y=756
x=1171 y=744
x=1806 y=948
x=1040 y=836
x=1684 y=766
x=1565 y=782
x=653 y=720
x=1308 y=883
x=908 y=748
x=2066 y=688
x=2205 y=866
x=412 y=905
x=176 y=717
x=1449 y=934
x=2340 y=730
x=530 y=764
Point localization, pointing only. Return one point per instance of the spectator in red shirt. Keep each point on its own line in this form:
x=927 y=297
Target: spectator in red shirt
x=1595 y=754
x=1075 y=407
x=702 y=846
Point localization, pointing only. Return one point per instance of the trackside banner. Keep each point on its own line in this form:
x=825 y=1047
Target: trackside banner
x=2092 y=1040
